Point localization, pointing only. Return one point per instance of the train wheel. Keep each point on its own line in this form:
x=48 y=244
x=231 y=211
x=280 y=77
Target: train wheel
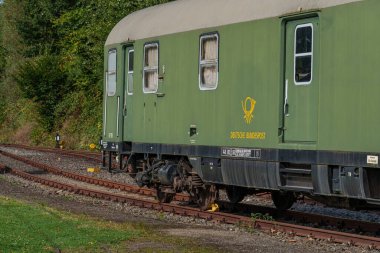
x=206 y=196
x=283 y=200
x=235 y=194
x=164 y=197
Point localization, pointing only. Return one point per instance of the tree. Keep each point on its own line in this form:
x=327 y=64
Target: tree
x=36 y=25
x=52 y=57
x=42 y=80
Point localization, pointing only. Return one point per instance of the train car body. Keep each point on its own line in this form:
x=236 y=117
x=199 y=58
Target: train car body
x=278 y=96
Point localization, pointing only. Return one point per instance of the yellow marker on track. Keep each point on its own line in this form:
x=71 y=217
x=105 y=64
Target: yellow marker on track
x=213 y=208
x=92 y=146
x=93 y=170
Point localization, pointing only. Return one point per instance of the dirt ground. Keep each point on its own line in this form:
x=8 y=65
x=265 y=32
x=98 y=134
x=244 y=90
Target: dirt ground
x=225 y=240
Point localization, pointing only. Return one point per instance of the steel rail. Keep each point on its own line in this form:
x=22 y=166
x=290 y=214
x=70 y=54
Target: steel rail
x=81 y=154
x=300 y=217
x=92 y=180
x=270 y=226
x=358 y=226
x=321 y=220
x=304 y=218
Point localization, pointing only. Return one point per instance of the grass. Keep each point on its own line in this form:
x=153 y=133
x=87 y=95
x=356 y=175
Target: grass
x=26 y=227
x=30 y=228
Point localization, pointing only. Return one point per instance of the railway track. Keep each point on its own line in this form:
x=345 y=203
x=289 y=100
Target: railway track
x=87 y=155
x=273 y=226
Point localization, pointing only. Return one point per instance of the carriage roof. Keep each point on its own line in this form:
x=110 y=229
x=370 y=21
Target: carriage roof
x=187 y=15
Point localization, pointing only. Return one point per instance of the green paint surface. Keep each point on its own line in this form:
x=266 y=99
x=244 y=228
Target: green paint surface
x=301 y=112
x=341 y=106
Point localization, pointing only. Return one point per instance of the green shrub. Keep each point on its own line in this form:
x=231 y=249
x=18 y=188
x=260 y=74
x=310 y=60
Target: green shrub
x=42 y=80
x=51 y=54
x=79 y=118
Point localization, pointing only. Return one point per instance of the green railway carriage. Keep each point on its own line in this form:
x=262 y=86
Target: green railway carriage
x=250 y=96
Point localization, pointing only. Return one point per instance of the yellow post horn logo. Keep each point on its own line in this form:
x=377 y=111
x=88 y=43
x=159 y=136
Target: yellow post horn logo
x=248 y=107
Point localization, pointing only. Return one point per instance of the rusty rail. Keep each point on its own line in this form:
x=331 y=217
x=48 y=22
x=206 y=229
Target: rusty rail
x=304 y=218
x=91 y=180
x=92 y=156
x=270 y=226
x=307 y=218
x=321 y=220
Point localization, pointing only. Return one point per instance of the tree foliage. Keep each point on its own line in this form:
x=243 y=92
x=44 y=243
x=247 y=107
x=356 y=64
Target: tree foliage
x=84 y=31
x=36 y=25
x=43 y=81
x=52 y=51
x=11 y=48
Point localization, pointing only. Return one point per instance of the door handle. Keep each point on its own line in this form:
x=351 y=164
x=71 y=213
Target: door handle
x=125 y=111
x=125 y=104
x=286 y=104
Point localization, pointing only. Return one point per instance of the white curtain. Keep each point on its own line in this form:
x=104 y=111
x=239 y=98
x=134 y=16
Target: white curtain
x=151 y=68
x=209 y=76
x=209 y=62
x=151 y=57
x=210 y=49
x=151 y=79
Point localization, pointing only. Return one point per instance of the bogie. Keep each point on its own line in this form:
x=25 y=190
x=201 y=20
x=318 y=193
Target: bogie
x=173 y=176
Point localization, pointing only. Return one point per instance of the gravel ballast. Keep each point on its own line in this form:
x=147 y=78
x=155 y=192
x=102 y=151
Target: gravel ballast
x=227 y=238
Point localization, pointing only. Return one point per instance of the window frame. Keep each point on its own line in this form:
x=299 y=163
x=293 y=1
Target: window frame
x=108 y=73
x=147 y=69
x=311 y=53
x=131 y=50
x=208 y=62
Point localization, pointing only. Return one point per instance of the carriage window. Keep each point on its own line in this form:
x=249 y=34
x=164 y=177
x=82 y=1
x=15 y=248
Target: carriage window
x=208 y=62
x=303 y=56
x=130 y=72
x=150 y=75
x=111 y=73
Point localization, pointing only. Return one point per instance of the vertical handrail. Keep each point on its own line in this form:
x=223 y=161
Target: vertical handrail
x=117 y=117
x=286 y=98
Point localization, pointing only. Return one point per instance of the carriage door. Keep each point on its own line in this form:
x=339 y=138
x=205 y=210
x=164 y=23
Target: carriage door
x=128 y=92
x=301 y=81
x=111 y=99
